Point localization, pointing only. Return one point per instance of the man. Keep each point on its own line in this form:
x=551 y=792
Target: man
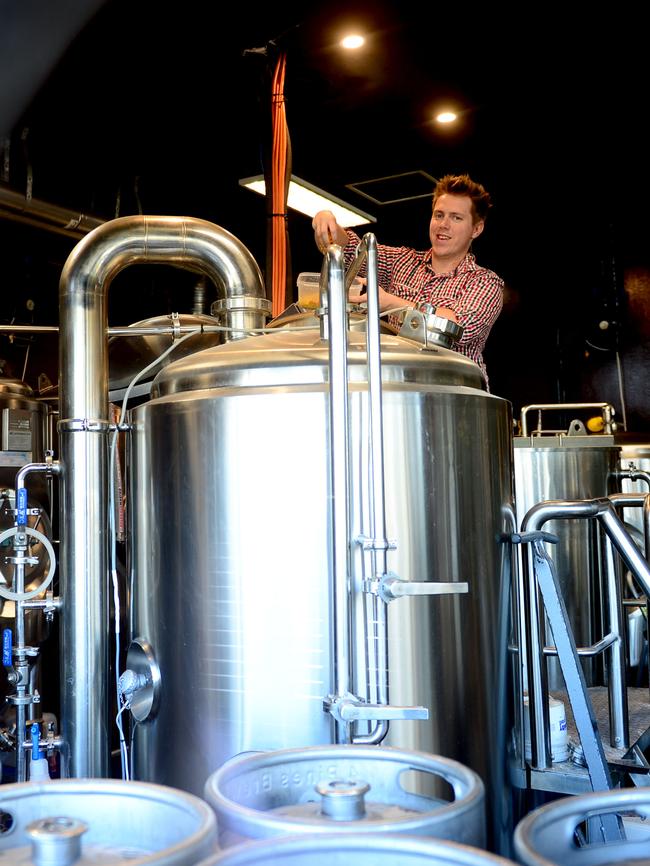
x=446 y=275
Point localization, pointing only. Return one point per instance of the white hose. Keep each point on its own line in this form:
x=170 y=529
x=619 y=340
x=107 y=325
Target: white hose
x=25 y=596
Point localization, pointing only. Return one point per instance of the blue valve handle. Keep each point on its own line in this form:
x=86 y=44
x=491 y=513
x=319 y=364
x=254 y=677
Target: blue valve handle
x=7 y=639
x=37 y=752
x=21 y=507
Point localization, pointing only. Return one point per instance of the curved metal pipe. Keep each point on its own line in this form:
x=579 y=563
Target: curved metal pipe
x=83 y=369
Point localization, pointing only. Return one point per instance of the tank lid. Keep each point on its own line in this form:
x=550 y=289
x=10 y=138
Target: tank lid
x=286 y=358
x=128 y=355
x=15 y=386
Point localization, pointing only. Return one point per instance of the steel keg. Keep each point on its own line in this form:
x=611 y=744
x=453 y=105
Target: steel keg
x=345 y=789
x=101 y=821
x=337 y=849
x=572 y=830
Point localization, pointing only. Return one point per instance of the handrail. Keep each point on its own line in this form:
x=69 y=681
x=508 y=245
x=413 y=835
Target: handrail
x=606 y=408
x=604 y=511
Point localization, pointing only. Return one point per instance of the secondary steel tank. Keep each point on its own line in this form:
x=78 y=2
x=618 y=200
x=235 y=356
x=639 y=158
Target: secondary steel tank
x=23 y=432
x=346 y=788
x=569 y=464
x=383 y=850
x=83 y=821
x=231 y=537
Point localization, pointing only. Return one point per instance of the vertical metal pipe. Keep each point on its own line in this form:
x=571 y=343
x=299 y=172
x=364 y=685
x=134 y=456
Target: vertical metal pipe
x=22 y=669
x=536 y=679
x=377 y=511
x=615 y=654
x=83 y=369
x=340 y=472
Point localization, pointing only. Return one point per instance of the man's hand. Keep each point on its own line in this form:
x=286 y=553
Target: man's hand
x=357 y=295
x=327 y=231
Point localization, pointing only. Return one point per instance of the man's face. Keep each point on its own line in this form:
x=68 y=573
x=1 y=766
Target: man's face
x=452 y=228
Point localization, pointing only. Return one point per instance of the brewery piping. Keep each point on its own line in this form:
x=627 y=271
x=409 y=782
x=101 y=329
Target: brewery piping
x=83 y=363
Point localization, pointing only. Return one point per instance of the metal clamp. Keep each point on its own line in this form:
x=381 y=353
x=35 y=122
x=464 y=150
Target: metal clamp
x=83 y=425
x=423 y=325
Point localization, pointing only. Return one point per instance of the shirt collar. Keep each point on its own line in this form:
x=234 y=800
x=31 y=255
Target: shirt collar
x=466 y=264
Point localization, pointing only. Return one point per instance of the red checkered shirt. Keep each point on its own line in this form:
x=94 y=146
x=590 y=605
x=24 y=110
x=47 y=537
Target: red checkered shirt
x=475 y=294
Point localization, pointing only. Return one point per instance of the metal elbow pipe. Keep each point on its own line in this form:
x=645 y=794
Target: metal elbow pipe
x=83 y=369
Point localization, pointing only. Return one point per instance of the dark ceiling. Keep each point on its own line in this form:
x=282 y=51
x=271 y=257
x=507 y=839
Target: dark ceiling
x=161 y=104
x=161 y=108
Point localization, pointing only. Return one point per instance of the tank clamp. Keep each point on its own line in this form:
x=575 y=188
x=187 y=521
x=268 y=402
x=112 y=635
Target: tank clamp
x=527 y=537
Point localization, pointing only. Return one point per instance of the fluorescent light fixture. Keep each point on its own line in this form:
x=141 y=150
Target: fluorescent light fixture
x=309 y=199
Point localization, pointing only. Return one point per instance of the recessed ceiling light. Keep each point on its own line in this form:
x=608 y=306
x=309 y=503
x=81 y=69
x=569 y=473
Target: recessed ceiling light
x=352 y=41
x=446 y=117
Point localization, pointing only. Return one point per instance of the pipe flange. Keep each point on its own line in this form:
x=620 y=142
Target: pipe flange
x=240 y=304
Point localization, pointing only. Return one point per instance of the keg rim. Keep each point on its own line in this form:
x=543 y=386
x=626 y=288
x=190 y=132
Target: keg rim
x=560 y=816
x=468 y=787
x=455 y=853
x=201 y=838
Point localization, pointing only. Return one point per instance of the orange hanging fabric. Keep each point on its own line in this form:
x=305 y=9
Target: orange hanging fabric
x=279 y=188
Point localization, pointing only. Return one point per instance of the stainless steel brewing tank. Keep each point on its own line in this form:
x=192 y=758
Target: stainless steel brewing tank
x=562 y=466
x=232 y=542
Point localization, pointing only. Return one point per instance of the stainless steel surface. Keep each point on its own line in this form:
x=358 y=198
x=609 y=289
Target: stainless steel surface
x=130 y=353
x=83 y=370
x=362 y=850
x=566 y=467
x=547 y=835
x=128 y=822
x=279 y=793
x=231 y=517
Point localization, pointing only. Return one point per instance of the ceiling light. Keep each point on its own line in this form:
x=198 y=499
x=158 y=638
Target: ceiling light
x=352 y=41
x=309 y=199
x=446 y=117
